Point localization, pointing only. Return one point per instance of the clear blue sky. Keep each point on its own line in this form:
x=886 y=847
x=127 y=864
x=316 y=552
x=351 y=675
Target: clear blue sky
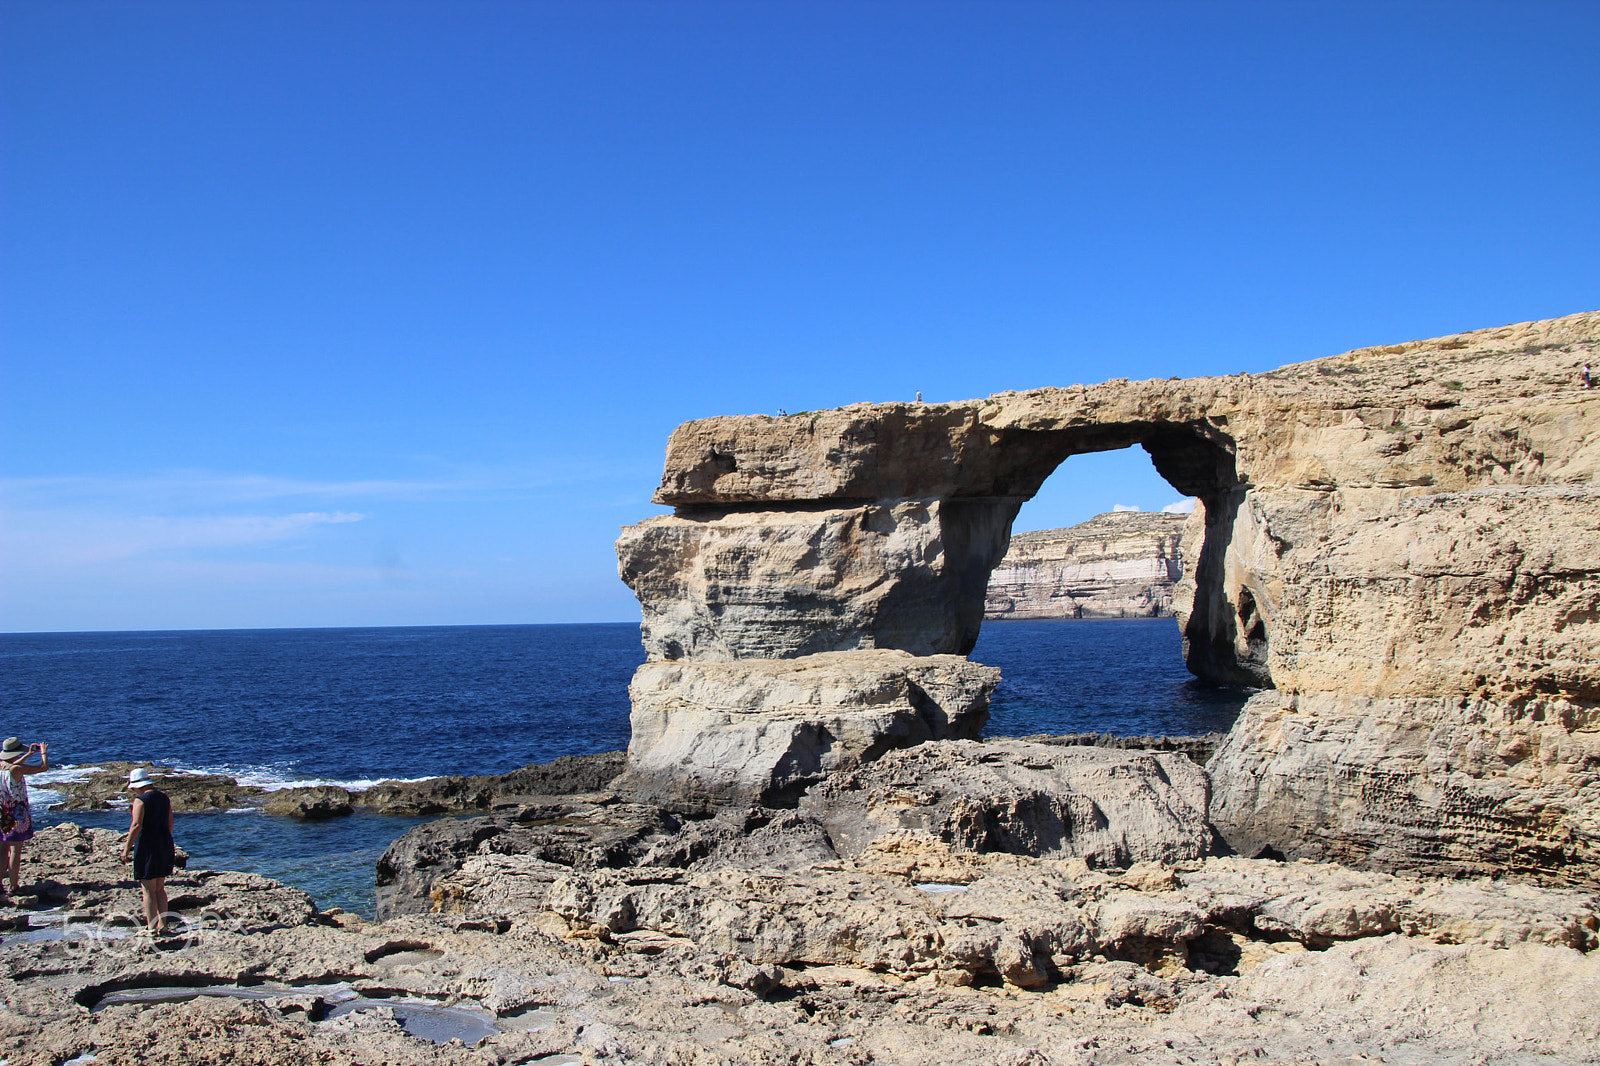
x=380 y=313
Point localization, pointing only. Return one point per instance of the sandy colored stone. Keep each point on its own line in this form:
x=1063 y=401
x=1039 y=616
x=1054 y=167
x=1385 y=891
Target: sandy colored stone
x=1122 y=564
x=1101 y=805
x=1014 y=960
x=1404 y=531
x=1454 y=785
x=763 y=731
x=572 y=833
x=734 y=584
x=309 y=804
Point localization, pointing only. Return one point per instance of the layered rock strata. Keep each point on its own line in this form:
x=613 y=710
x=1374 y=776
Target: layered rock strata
x=1122 y=564
x=1414 y=522
x=763 y=732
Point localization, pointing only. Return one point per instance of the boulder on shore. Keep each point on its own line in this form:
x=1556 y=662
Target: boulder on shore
x=1108 y=807
x=763 y=731
x=312 y=804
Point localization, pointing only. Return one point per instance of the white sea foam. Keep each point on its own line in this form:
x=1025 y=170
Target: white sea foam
x=276 y=778
x=43 y=799
x=42 y=796
x=266 y=778
x=63 y=773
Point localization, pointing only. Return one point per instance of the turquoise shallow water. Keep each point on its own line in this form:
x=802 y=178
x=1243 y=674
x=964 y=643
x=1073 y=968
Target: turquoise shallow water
x=279 y=707
x=332 y=860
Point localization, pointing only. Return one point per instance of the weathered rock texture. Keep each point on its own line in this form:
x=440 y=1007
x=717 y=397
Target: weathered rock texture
x=1107 y=807
x=911 y=952
x=564 y=775
x=1122 y=564
x=1416 y=522
x=1103 y=806
x=764 y=731
x=1447 y=786
x=313 y=804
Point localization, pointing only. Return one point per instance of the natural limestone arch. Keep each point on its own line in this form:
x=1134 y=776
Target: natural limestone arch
x=1404 y=542
x=900 y=559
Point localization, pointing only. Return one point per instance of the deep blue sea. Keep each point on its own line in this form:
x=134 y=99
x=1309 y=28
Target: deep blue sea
x=354 y=706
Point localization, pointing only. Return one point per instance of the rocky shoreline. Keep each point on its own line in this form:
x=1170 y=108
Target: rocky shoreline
x=103 y=787
x=1010 y=901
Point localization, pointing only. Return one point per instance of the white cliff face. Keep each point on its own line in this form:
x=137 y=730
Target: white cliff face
x=1122 y=564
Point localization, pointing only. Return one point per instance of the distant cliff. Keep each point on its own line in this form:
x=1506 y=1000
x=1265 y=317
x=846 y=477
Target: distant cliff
x=1122 y=564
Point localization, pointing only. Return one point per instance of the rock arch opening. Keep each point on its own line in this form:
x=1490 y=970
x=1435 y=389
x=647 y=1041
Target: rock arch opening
x=881 y=533
x=1225 y=630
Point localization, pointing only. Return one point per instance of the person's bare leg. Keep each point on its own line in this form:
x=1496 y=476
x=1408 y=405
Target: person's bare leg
x=5 y=865
x=16 y=867
x=155 y=903
x=148 y=900
x=158 y=890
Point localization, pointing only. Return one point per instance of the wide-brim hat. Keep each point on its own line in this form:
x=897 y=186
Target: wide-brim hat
x=139 y=778
x=12 y=750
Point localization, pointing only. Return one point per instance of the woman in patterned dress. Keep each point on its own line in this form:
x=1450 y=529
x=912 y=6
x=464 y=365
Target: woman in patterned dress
x=16 y=815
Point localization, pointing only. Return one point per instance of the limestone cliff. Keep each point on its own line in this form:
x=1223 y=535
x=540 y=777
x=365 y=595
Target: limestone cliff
x=1122 y=564
x=1403 y=541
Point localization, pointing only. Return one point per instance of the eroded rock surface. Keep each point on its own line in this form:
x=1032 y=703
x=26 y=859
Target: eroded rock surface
x=910 y=952
x=1400 y=531
x=1525 y=777
x=911 y=904
x=563 y=776
x=763 y=731
x=1104 y=806
x=103 y=786
x=312 y=804
x=565 y=833
x=1122 y=564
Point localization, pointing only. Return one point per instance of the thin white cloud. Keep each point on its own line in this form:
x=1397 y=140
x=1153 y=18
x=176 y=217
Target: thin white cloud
x=1181 y=507
x=221 y=488
x=51 y=539
x=181 y=490
x=1124 y=507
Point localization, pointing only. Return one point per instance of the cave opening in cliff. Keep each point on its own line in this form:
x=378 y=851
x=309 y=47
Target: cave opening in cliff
x=1087 y=603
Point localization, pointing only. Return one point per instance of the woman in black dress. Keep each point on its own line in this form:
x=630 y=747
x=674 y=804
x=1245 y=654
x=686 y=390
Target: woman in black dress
x=150 y=841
